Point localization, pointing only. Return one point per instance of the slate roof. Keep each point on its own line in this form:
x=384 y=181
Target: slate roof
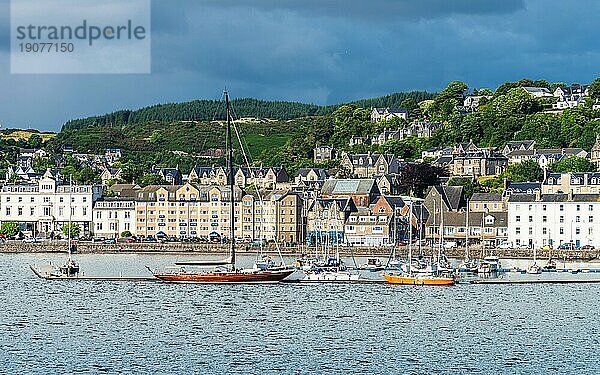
x=486 y=197
x=452 y=195
x=348 y=186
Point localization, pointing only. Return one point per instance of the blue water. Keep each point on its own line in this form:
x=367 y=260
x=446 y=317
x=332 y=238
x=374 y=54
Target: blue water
x=158 y=328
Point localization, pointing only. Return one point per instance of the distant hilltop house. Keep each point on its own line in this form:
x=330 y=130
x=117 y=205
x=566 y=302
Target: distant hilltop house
x=381 y=114
x=472 y=102
x=595 y=152
x=310 y=178
x=208 y=175
x=356 y=140
x=416 y=129
x=27 y=156
x=324 y=153
x=266 y=177
x=537 y=92
x=518 y=151
x=370 y=165
x=518 y=146
x=437 y=152
x=111 y=155
x=570 y=96
x=173 y=176
x=468 y=160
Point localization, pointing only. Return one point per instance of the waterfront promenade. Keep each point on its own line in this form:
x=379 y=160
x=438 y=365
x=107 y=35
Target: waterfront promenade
x=202 y=248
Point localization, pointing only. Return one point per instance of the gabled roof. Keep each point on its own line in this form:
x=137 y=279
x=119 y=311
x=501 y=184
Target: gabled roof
x=319 y=171
x=452 y=195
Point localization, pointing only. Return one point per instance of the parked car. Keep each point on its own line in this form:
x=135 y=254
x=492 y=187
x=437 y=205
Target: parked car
x=30 y=240
x=450 y=244
x=504 y=245
x=547 y=247
x=567 y=246
x=98 y=239
x=110 y=241
x=587 y=247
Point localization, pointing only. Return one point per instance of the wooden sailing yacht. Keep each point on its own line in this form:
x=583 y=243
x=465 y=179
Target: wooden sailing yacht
x=225 y=271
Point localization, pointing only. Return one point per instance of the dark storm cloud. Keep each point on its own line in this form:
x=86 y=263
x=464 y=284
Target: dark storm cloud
x=379 y=9
x=4 y=25
x=322 y=52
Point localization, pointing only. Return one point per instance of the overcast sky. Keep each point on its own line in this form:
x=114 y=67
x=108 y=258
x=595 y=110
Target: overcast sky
x=322 y=51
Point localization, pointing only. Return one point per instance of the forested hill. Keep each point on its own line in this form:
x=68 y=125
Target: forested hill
x=206 y=110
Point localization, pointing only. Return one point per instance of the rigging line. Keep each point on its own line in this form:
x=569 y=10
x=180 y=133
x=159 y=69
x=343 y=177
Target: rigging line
x=260 y=198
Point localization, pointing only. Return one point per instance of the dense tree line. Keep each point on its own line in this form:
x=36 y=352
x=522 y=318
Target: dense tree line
x=208 y=110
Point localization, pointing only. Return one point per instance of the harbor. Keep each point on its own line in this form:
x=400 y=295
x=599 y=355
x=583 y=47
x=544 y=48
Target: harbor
x=347 y=328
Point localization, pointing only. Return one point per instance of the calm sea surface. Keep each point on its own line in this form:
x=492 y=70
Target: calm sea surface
x=159 y=328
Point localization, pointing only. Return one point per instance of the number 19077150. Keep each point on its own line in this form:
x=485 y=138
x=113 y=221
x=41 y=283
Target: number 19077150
x=46 y=47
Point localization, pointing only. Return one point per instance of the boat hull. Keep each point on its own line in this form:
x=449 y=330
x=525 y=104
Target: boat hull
x=419 y=280
x=225 y=277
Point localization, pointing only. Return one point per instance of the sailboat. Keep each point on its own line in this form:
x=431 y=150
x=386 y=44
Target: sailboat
x=332 y=269
x=534 y=269
x=224 y=271
x=70 y=269
x=408 y=276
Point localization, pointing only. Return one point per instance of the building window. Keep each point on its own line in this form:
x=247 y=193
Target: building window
x=531 y=219
x=578 y=207
x=544 y=207
x=577 y=219
x=517 y=230
x=530 y=231
x=32 y=211
x=544 y=218
x=561 y=230
x=590 y=219
x=544 y=230
x=518 y=218
x=591 y=207
x=561 y=207
x=561 y=219
x=20 y=211
x=577 y=230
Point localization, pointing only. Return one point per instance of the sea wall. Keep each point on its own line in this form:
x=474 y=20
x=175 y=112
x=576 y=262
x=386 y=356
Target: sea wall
x=95 y=248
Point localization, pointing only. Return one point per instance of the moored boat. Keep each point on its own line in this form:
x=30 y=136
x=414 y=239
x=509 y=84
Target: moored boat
x=408 y=279
x=226 y=271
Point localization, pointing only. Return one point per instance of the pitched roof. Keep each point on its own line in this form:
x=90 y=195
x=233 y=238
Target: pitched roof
x=348 y=186
x=452 y=195
x=486 y=197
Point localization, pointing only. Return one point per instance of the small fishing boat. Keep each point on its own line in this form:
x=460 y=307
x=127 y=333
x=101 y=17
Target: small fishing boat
x=70 y=269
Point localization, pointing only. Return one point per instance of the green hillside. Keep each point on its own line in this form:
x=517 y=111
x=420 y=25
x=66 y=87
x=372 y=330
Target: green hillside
x=208 y=110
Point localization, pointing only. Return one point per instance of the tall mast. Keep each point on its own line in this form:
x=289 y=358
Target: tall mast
x=70 y=211
x=410 y=208
x=231 y=183
x=467 y=234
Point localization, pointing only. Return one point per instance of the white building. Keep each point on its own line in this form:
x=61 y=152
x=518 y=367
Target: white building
x=42 y=208
x=553 y=219
x=112 y=216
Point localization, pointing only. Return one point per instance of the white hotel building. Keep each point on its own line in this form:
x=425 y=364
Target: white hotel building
x=554 y=219
x=113 y=216
x=43 y=207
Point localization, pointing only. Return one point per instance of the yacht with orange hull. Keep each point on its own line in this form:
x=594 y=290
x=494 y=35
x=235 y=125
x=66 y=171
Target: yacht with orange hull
x=419 y=280
x=225 y=271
